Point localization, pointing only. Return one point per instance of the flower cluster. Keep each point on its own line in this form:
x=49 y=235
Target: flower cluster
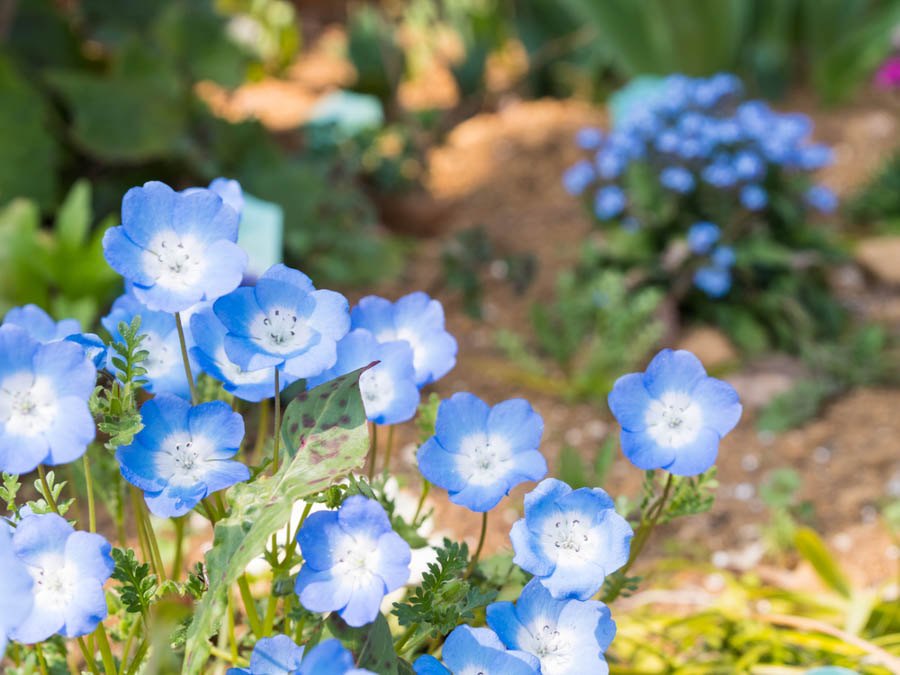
x=696 y=148
x=281 y=656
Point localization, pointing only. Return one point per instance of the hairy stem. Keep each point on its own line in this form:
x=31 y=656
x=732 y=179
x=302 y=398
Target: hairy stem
x=404 y=638
x=184 y=357
x=109 y=664
x=474 y=561
x=47 y=493
x=85 y=652
x=179 y=547
x=89 y=484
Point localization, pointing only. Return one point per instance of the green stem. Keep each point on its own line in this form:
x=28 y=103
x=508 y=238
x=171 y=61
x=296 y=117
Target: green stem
x=184 y=357
x=139 y=656
x=269 y=620
x=250 y=606
x=127 y=649
x=277 y=438
x=109 y=664
x=89 y=484
x=403 y=639
x=232 y=640
x=88 y=658
x=225 y=656
x=261 y=430
x=477 y=555
x=40 y=656
x=640 y=538
x=139 y=522
x=426 y=488
x=373 y=449
x=119 y=515
x=154 y=544
x=47 y=493
x=298 y=629
x=220 y=504
x=212 y=514
x=179 y=547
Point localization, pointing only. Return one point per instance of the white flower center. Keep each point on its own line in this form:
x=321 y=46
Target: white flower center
x=357 y=559
x=483 y=459
x=161 y=357
x=552 y=647
x=569 y=535
x=674 y=419
x=412 y=339
x=377 y=388
x=280 y=331
x=54 y=583
x=182 y=458
x=237 y=375
x=174 y=261
x=27 y=404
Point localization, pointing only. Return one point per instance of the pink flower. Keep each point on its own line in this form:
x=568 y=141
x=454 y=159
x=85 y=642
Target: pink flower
x=888 y=75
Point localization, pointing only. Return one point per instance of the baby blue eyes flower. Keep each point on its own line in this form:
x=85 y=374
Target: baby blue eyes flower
x=609 y=202
x=748 y=165
x=470 y=651
x=280 y=656
x=388 y=389
x=610 y=164
x=702 y=236
x=814 y=157
x=754 y=197
x=183 y=453
x=40 y=325
x=478 y=453
x=164 y=364
x=578 y=177
x=283 y=322
x=417 y=319
x=677 y=178
x=589 y=138
x=177 y=248
x=69 y=569
x=568 y=636
x=352 y=559
x=713 y=280
x=673 y=415
x=571 y=540
x=723 y=256
x=208 y=334
x=16 y=599
x=231 y=193
x=821 y=198
x=44 y=390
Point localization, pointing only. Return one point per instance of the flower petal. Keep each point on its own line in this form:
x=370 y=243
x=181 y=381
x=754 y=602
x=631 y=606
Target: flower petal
x=673 y=371
x=517 y=423
x=628 y=401
x=459 y=416
x=218 y=424
x=697 y=456
x=644 y=452
x=439 y=466
x=720 y=404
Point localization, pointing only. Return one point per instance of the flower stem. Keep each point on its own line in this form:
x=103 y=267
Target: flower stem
x=109 y=664
x=277 y=425
x=47 y=493
x=88 y=659
x=179 y=547
x=142 y=534
x=640 y=538
x=403 y=639
x=475 y=557
x=261 y=430
x=154 y=544
x=40 y=656
x=232 y=640
x=373 y=449
x=390 y=447
x=426 y=488
x=89 y=484
x=127 y=648
x=250 y=606
x=184 y=356
x=225 y=656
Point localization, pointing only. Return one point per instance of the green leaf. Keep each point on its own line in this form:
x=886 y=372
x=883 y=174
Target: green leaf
x=73 y=220
x=811 y=547
x=325 y=435
x=372 y=645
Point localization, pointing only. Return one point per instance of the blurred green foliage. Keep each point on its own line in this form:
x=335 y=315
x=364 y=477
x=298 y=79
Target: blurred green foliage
x=61 y=268
x=878 y=202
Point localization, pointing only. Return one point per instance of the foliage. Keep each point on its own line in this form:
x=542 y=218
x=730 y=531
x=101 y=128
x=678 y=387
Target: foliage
x=470 y=254
x=137 y=584
x=878 y=202
x=61 y=268
x=572 y=469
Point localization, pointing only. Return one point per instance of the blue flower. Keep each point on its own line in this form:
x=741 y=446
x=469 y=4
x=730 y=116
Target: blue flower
x=231 y=193
x=821 y=198
x=418 y=320
x=673 y=415
x=351 y=560
x=39 y=324
x=702 y=236
x=578 y=177
x=208 y=334
x=609 y=201
x=668 y=141
x=748 y=165
x=94 y=348
x=610 y=164
x=44 y=392
x=388 y=389
x=677 y=178
x=177 y=248
x=713 y=280
x=164 y=363
x=589 y=138
x=568 y=636
x=571 y=540
x=69 y=569
x=478 y=453
x=283 y=322
x=280 y=656
x=16 y=599
x=754 y=197
x=723 y=256
x=182 y=453
x=468 y=651
x=814 y=157
x=719 y=174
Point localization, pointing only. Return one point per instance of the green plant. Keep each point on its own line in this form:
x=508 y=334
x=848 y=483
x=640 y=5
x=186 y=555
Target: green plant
x=780 y=495
x=878 y=201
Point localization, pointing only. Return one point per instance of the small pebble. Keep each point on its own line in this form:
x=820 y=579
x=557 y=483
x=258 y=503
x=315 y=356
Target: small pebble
x=750 y=462
x=574 y=436
x=868 y=513
x=843 y=542
x=821 y=455
x=499 y=269
x=744 y=491
x=597 y=429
